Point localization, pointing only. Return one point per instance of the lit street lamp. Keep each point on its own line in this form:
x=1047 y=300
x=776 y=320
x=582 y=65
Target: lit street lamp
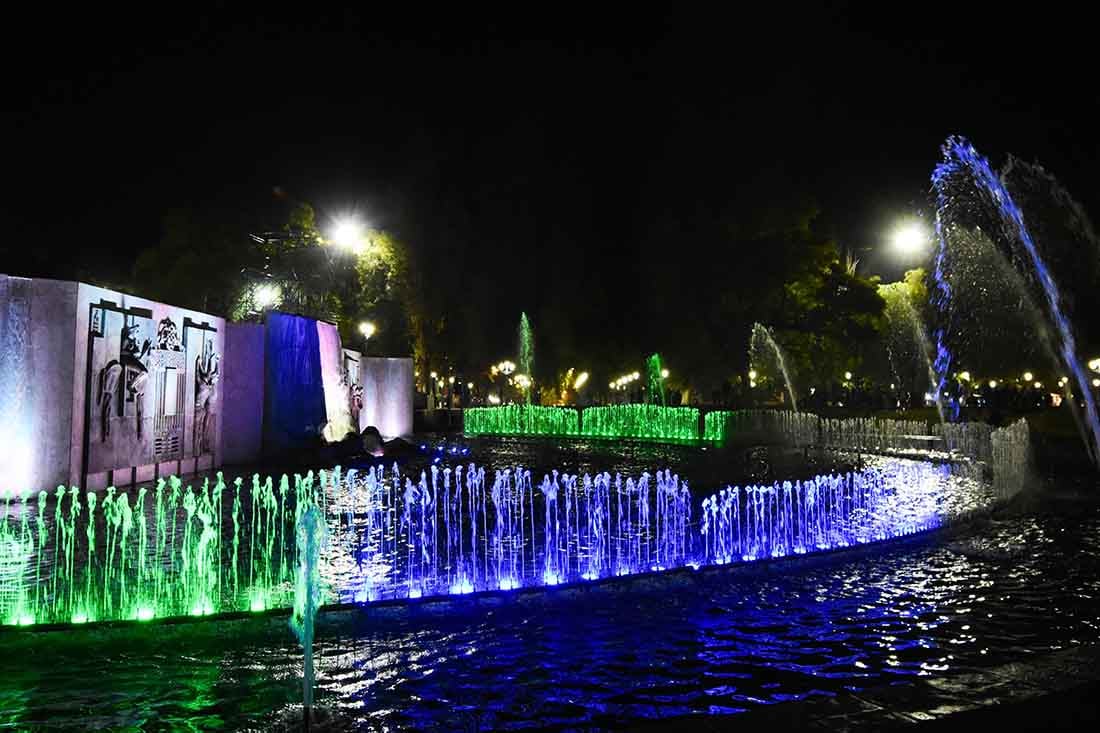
x=350 y=234
x=909 y=239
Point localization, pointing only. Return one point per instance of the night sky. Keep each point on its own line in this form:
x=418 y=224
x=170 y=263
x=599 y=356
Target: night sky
x=553 y=166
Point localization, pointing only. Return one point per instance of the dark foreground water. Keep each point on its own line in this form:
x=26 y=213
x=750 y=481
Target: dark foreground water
x=721 y=643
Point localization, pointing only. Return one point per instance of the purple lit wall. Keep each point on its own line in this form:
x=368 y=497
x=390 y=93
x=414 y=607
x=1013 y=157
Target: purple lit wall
x=387 y=395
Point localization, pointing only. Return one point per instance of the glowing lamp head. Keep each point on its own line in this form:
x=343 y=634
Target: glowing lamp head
x=964 y=376
x=909 y=239
x=664 y=374
x=752 y=374
x=349 y=234
x=367 y=329
x=469 y=385
x=1028 y=376
x=581 y=380
x=993 y=384
x=848 y=376
x=267 y=296
x=1038 y=385
x=1096 y=383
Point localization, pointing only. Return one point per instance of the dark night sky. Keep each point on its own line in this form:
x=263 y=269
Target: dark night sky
x=595 y=146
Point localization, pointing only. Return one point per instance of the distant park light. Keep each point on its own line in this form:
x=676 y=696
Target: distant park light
x=848 y=376
x=581 y=380
x=752 y=374
x=1028 y=376
x=964 y=376
x=993 y=384
x=367 y=329
x=664 y=374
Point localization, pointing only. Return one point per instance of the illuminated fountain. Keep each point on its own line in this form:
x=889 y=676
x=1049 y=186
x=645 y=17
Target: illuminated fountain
x=647 y=422
x=638 y=421
x=655 y=378
x=521 y=420
x=526 y=353
x=765 y=351
x=969 y=193
x=69 y=557
x=74 y=558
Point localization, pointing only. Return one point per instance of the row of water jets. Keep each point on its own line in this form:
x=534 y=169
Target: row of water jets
x=71 y=557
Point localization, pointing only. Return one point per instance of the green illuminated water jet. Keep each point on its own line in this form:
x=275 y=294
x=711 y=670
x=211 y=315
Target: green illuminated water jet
x=166 y=551
x=650 y=422
x=526 y=353
x=521 y=420
x=645 y=422
x=656 y=379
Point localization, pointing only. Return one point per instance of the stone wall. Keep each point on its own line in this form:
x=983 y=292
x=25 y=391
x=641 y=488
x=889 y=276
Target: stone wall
x=102 y=388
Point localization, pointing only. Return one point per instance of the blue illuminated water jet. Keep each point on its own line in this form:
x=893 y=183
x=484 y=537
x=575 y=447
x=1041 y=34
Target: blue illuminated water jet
x=962 y=166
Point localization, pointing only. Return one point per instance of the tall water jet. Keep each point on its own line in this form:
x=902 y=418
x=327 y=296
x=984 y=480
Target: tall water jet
x=904 y=320
x=526 y=353
x=656 y=379
x=762 y=345
x=312 y=534
x=965 y=183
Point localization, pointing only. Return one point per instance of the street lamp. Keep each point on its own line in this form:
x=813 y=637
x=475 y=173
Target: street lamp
x=367 y=329
x=349 y=234
x=909 y=238
x=266 y=296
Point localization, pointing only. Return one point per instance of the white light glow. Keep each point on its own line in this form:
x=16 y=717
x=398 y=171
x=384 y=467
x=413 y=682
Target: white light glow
x=909 y=238
x=266 y=296
x=350 y=235
x=582 y=379
x=367 y=328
